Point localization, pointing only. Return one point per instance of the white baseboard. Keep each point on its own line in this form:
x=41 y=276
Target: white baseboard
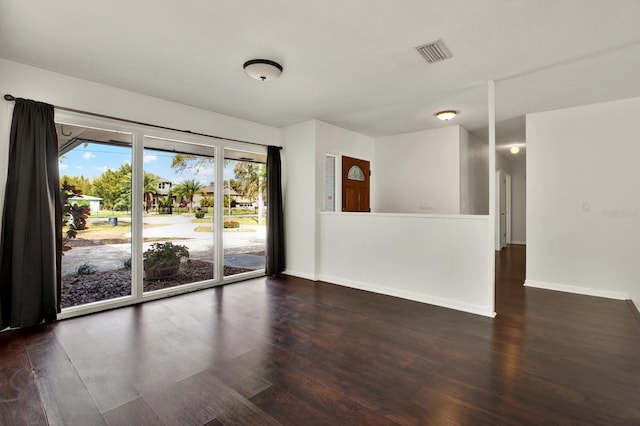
x=410 y=295
x=577 y=290
x=299 y=274
x=522 y=243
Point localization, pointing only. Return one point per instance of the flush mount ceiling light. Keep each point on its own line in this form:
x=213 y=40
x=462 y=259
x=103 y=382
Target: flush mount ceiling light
x=262 y=69
x=514 y=150
x=446 y=115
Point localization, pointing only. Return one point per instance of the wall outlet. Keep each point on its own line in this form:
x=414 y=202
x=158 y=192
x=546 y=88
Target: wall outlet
x=586 y=207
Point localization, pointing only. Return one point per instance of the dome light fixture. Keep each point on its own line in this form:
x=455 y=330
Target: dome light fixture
x=262 y=69
x=514 y=150
x=446 y=115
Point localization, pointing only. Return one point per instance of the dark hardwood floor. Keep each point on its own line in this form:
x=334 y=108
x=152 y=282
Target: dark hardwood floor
x=290 y=351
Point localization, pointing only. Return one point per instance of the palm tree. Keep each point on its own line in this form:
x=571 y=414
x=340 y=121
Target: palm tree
x=151 y=182
x=188 y=189
x=251 y=179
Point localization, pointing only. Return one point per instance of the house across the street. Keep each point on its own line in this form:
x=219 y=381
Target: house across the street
x=92 y=202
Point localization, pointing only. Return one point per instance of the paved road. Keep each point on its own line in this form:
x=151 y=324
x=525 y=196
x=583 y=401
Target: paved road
x=247 y=239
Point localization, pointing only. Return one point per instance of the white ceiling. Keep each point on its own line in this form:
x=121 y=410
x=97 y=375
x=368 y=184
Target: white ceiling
x=351 y=63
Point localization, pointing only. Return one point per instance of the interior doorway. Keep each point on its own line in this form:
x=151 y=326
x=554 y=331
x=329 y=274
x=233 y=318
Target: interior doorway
x=503 y=209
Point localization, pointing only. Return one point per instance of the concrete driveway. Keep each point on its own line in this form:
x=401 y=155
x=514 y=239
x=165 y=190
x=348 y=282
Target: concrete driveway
x=236 y=243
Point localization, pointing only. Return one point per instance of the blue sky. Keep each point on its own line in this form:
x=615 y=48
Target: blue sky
x=94 y=159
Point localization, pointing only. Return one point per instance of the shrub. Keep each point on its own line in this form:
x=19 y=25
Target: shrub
x=73 y=216
x=231 y=224
x=127 y=264
x=206 y=202
x=164 y=254
x=199 y=214
x=86 y=269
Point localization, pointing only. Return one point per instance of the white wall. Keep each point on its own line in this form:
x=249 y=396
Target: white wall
x=418 y=172
x=583 y=203
x=306 y=145
x=299 y=193
x=338 y=141
x=474 y=174
x=518 y=201
x=441 y=260
x=417 y=257
x=58 y=89
x=503 y=163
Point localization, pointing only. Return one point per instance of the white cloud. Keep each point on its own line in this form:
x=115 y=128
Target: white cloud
x=204 y=175
x=79 y=167
x=88 y=155
x=103 y=168
x=148 y=158
x=63 y=166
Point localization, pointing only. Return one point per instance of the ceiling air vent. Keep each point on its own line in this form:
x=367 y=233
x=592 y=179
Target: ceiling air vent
x=434 y=52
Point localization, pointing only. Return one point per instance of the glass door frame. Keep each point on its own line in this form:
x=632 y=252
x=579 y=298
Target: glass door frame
x=138 y=133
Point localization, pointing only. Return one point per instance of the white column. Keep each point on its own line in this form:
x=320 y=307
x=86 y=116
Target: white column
x=219 y=213
x=491 y=95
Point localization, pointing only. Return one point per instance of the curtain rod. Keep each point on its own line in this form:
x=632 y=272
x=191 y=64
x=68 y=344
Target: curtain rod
x=9 y=97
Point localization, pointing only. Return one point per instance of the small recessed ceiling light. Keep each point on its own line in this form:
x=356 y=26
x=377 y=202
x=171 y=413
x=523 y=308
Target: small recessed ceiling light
x=515 y=150
x=446 y=115
x=262 y=69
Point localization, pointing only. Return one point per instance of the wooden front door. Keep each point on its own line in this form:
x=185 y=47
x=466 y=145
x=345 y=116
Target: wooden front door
x=356 y=175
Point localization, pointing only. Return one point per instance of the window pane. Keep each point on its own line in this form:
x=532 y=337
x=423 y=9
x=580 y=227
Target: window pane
x=330 y=183
x=95 y=174
x=245 y=210
x=355 y=173
x=178 y=217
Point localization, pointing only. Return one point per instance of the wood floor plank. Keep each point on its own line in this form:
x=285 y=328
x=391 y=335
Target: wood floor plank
x=151 y=368
x=200 y=399
x=324 y=391
x=108 y=385
x=19 y=398
x=136 y=412
x=46 y=354
x=66 y=400
x=290 y=410
x=247 y=382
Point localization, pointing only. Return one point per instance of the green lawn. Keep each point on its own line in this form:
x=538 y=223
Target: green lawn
x=243 y=220
x=240 y=211
x=100 y=230
x=109 y=213
x=113 y=213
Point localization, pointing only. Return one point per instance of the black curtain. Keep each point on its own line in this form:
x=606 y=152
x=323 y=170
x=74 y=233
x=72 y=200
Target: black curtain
x=31 y=223
x=275 y=213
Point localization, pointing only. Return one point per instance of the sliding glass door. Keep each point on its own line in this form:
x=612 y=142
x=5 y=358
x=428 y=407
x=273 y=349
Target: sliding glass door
x=95 y=177
x=245 y=207
x=179 y=214
x=151 y=213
